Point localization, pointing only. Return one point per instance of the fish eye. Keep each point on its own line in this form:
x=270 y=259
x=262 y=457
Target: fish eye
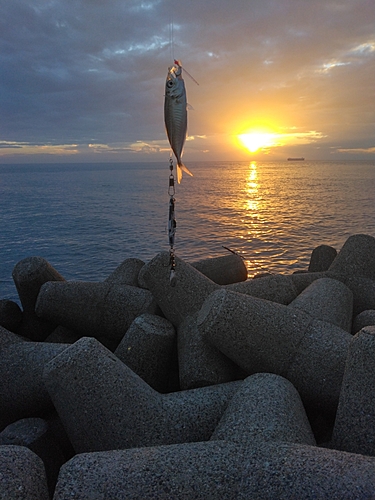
x=169 y=83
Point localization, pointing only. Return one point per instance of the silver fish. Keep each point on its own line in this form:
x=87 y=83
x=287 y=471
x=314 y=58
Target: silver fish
x=175 y=115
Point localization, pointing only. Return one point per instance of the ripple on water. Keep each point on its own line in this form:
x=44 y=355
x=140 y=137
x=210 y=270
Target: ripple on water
x=86 y=219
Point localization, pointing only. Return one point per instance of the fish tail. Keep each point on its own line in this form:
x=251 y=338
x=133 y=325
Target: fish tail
x=181 y=167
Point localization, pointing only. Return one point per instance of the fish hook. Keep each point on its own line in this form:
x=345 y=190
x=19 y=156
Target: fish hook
x=188 y=74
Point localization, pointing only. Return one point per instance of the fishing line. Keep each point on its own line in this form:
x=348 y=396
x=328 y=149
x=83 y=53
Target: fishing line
x=174 y=73
x=171 y=183
x=171 y=35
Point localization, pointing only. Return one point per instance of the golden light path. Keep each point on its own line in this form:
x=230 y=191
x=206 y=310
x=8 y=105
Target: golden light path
x=252 y=186
x=252 y=216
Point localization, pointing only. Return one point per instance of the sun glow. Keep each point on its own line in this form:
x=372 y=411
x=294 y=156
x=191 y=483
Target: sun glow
x=253 y=141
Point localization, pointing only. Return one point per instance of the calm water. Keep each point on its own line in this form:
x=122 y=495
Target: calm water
x=86 y=219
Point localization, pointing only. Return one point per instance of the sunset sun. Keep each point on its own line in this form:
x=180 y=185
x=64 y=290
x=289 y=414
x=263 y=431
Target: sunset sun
x=253 y=141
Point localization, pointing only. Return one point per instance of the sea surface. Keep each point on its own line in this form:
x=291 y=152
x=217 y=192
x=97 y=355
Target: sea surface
x=85 y=219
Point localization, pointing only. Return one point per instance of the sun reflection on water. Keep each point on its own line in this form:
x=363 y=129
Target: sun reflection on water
x=253 y=222
x=252 y=186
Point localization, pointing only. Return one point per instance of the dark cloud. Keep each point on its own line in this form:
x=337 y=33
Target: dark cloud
x=87 y=71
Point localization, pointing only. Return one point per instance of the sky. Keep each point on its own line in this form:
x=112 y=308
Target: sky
x=83 y=80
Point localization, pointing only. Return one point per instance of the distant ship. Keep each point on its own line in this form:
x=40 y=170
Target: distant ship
x=296 y=159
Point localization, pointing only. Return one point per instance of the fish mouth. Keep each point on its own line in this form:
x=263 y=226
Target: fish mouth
x=174 y=71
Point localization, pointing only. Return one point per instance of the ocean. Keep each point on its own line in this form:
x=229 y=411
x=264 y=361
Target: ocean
x=85 y=219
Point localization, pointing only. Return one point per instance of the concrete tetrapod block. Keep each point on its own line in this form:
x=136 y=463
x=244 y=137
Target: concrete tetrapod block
x=63 y=335
x=29 y=275
x=356 y=257
x=188 y=294
x=22 y=474
x=192 y=287
x=261 y=449
x=266 y=407
x=223 y=270
x=277 y=288
x=35 y=434
x=262 y=336
x=365 y=318
x=8 y=338
x=303 y=280
x=354 y=428
x=321 y=258
x=22 y=391
x=126 y=273
x=10 y=315
x=147 y=348
x=218 y=469
x=363 y=290
x=328 y=300
x=95 y=309
x=201 y=364
x=104 y=405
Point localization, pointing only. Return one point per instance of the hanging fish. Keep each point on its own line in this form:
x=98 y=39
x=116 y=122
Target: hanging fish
x=175 y=114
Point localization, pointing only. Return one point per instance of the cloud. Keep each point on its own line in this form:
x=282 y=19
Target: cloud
x=24 y=148
x=9 y=145
x=357 y=150
x=135 y=147
x=92 y=72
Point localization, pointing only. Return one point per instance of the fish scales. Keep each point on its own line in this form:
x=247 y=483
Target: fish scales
x=175 y=115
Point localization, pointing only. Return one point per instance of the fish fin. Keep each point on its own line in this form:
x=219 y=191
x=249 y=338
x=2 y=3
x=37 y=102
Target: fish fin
x=185 y=169
x=179 y=174
x=189 y=107
x=181 y=167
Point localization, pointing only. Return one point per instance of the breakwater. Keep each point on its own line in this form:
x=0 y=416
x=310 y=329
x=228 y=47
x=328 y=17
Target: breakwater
x=217 y=387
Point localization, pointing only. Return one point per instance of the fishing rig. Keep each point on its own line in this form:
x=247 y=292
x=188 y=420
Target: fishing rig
x=171 y=185
x=171 y=224
x=171 y=191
